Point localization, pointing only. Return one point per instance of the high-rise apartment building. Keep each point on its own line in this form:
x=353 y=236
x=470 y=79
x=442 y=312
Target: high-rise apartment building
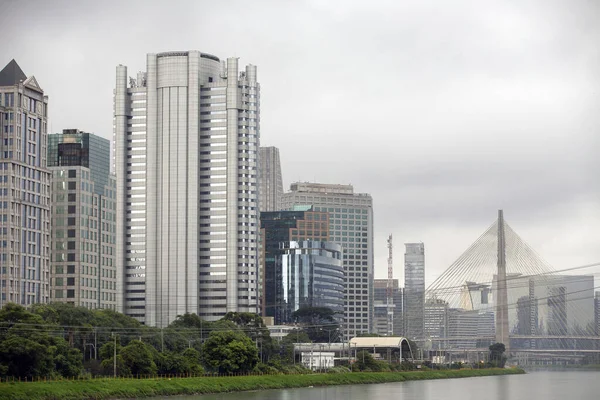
x=270 y=182
x=24 y=189
x=414 y=290
x=83 y=268
x=351 y=225
x=186 y=142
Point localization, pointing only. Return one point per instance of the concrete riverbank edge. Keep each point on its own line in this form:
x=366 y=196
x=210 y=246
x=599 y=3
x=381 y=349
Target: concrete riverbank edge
x=136 y=388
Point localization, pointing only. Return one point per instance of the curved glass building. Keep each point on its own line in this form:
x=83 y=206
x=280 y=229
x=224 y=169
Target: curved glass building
x=310 y=275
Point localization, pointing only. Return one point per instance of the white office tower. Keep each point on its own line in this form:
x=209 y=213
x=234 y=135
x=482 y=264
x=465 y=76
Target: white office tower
x=186 y=138
x=24 y=189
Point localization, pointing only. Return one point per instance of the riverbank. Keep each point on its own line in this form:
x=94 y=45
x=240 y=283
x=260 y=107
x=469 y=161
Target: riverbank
x=586 y=367
x=135 y=388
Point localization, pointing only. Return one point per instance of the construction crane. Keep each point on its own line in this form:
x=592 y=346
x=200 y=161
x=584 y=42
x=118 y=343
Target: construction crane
x=390 y=299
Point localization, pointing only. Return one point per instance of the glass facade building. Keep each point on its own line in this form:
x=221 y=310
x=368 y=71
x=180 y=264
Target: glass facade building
x=83 y=267
x=278 y=230
x=24 y=189
x=414 y=290
x=351 y=226
x=381 y=308
x=84 y=271
x=76 y=148
x=312 y=275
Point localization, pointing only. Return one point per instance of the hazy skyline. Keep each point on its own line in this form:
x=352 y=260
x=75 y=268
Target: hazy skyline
x=443 y=114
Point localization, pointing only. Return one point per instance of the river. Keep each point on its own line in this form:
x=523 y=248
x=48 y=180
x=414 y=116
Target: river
x=546 y=385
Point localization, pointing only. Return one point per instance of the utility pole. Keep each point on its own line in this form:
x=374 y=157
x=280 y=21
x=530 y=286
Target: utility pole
x=115 y=357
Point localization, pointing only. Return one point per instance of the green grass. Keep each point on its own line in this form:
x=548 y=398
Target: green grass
x=132 y=388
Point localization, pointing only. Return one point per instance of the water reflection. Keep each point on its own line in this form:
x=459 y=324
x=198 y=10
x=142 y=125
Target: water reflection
x=551 y=385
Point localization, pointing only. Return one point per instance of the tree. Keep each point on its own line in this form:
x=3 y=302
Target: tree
x=138 y=357
x=186 y=363
x=254 y=327
x=366 y=362
x=497 y=357
x=229 y=352
x=287 y=344
x=27 y=347
x=318 y=323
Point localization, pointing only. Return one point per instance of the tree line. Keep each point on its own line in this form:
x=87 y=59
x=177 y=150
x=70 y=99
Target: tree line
x=61 y=340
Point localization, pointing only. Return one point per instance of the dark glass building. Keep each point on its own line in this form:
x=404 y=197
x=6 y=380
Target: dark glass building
x=75 y=148
x=299 y=267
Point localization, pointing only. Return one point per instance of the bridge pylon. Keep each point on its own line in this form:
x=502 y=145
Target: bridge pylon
x=502 y=293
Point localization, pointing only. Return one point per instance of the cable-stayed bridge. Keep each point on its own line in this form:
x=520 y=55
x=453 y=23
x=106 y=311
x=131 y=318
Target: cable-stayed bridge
x=501 y=290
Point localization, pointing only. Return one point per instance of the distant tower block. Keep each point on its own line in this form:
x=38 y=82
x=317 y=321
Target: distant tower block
x=502 y=295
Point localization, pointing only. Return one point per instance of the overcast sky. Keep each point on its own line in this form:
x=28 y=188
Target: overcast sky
x=443 y=113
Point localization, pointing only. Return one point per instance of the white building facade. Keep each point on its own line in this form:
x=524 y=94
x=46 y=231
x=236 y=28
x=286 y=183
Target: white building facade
x=24 y=190
x=186 y=141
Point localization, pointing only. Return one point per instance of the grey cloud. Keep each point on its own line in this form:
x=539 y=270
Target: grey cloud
x=444 y=113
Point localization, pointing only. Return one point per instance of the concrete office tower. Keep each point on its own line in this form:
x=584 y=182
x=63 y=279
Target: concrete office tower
x=83 y=267
x=24 y=189
x=351 y=225
x=186 y=141
x=414 y=290
x=435 y=321
x=270 y=182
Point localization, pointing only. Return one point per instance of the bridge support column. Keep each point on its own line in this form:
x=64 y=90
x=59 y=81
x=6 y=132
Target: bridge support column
x=502 y=292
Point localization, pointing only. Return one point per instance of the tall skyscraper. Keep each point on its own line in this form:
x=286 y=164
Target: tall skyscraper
x=24 y=189
x=270 y=182
x=351 y=225
x=83 y=268
x=414 y=290
x=186 y=142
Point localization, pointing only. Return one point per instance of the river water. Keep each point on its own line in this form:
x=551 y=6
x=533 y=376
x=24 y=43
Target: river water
x=546 y=385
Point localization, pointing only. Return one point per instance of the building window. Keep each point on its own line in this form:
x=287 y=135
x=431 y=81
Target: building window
x=72 y=173
x=71 y=293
